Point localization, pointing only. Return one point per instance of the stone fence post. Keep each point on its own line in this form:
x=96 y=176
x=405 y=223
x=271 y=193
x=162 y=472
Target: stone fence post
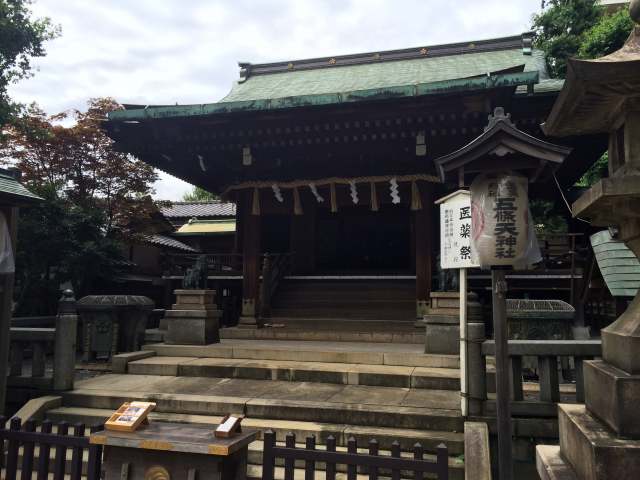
x=64 y=354
x=476 y=368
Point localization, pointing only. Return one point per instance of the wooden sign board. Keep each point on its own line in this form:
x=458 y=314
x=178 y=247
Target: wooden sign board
x=229 y=426
x=129 y=416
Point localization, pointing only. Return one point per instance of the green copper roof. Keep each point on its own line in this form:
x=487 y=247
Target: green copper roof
x=10 y=187
x=382 y=75
x=440 y=69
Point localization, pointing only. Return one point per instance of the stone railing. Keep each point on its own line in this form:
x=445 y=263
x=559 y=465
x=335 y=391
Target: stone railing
x=39 y=343
x=552 y=357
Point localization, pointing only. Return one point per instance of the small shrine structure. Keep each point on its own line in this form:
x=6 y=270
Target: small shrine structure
x=330 y=162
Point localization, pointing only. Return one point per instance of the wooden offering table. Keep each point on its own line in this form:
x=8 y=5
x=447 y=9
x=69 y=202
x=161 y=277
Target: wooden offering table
x=172 y=451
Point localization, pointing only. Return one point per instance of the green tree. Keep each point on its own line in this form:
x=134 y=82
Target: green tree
x=606 y=36
x=199 y=195
x=21 y=39
x=577 y=28
x=97 y=200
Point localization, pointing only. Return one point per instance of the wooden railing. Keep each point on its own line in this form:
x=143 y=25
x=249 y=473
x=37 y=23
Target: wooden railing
x=39 y=344
x=26 y=438
x=275 y=267
x=548 y=353
x=372 y=461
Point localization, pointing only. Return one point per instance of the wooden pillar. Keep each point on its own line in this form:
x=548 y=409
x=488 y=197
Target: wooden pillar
x=251 y=261
x=6 y=282
x=423 y=247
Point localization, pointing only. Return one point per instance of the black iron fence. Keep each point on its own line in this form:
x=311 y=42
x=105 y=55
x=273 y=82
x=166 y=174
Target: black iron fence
x=375 y=463
x=19 y=444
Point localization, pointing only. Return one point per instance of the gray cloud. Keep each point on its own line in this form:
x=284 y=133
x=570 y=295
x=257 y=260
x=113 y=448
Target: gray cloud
x=186 y=51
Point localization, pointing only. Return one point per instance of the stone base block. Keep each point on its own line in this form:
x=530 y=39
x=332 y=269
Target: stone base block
x=193 y=327
x=193 y=306
x=195 y=297
x=448 y=303
x=593 y=451
x=442 y=334
x=613 y=396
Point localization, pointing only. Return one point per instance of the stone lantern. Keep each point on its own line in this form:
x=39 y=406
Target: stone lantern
x=601 y=440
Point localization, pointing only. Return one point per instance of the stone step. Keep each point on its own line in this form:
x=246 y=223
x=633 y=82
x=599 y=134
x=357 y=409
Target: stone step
x=342 y=324
x=337 y=373
x=370 y=353
x=312 y=330
x=341 y=432
x=273 y=399
x=363 y=313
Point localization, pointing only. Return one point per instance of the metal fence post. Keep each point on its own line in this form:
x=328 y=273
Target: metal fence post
x=64 y=354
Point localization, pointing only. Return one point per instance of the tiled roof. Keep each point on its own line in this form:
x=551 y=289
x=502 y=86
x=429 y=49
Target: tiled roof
x=14 y=189
x=164 y=241
x=428 y=70
x=383 y=75
x=199 y=210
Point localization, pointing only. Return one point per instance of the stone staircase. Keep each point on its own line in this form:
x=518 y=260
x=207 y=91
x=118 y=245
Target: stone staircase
x=337 y=301
x=391 y=392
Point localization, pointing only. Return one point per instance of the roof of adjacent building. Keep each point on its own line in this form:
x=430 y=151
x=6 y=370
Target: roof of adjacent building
x=502 y=62
x=164 y=241
x=207 y=227
x=199 y=210
x=13 y=190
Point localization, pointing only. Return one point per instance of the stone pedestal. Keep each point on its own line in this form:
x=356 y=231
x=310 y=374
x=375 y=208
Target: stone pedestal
x=442 y=321
x=194 y=319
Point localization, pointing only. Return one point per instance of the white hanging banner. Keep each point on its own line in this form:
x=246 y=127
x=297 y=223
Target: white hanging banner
x=455 y=230
x=7 y=264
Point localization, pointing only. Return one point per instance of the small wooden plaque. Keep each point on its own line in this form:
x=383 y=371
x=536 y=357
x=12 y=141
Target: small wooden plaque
x=229 y=426
x=129 y=416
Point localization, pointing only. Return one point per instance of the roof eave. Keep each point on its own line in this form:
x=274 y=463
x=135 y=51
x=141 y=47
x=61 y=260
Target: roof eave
x=478 y=83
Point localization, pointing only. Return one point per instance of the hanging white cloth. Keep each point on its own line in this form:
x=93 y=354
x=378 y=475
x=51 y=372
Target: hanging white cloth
x=394 y=190
x=7 y=264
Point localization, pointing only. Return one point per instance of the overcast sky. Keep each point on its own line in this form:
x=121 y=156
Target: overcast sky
x=186 y=51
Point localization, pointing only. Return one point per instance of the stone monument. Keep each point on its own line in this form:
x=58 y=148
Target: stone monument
x=194 y=319
x=601 y=439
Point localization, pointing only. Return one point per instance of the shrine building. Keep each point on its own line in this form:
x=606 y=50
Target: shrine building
x=330 y=162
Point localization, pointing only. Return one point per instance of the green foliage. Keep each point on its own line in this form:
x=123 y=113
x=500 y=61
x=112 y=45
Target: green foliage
x=577 y=28
x=597 y=171
x=607 y=36
x=559 y=30
x=98 y=200
x=60 y=242
x=199 y=195
x=546 y=217
x=21 y=39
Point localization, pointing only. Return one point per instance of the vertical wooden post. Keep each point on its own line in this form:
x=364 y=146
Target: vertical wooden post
x=250 y=263
x=423 y=234
x=503 y=394
x=6 y=282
